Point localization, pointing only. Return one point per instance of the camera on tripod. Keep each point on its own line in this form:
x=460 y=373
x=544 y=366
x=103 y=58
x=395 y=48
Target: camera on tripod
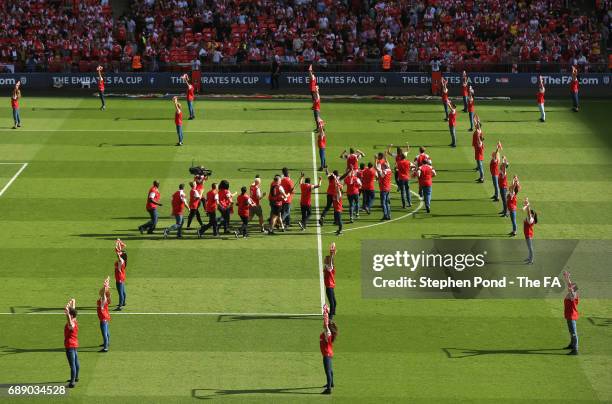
x=200 y=170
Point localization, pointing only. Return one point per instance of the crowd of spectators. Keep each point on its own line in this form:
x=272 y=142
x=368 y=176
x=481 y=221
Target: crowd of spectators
x=186 y=34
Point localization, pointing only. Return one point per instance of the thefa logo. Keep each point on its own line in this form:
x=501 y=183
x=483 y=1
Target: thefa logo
x=534 y=79
x=606 y=79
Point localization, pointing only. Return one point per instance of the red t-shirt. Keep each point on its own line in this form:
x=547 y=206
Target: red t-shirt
x=211 y=201
x=494 y=167
x=190 y=92
x=225 y=198
x=103 y=314
x=464 y=90
x=511 y=199
x=253 y=193
x=177 y=203
x=426 y=176
x=199 y=185
x=353 y=184
x=570 y=309
x=326 y=345
x=540 y=97
x=178 y=117
x=502 y=180
x=275 y=196
x=445 y=96
x=369 y=177
x=337 y=202
x=479 y=151
x=470 y=105
x=403 y=170
x=452 y=118
x=331 y=186
x=287 y=184
x=384 y=181
x=316 y=104
x=154 y=192
x=100 y=84
x=71 y=337
x=14 y=102
x=528 y=228
x=306 y=192
x=243 y=205
x=322 y=141
x=329 y=277
x=352 y=162
x=421 y=158
x=574 y=86
x=119 y=272
x=194 y=199
x=475 y=137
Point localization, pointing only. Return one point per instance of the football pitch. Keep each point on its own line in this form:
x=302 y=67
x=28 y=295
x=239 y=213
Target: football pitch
x=239 y=319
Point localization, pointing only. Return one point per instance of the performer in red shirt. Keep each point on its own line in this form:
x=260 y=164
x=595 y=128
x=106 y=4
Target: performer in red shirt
x=178 y=120
x=179 y=203
x=194 y=202
x=470 y=108
x=276 y=197
x=502 y=180
x=101 y=87
x=289 y=187
x=226 y=204
x=511 y=203
x=210 y=206
x=425 y=174
x=570 y=305
x=383 y=173
x=452 y=122
x=120 y=267
x=540 y=99
x=245 y=203
x=312 y=83
x=103 y=313
x=333 y=181
x=530 y=221
x=368 y=178
x=353 y=186
x=71 y=341
x=152 y=204
x=322 y=144
x=574 y=89
x=15 y=104
x=494 y=169
x=479 y=157
x=444 y=83
x=464 y=90
x=326 y=341
x=256 y=196
x=403 y=168
x=190 y=95
x=316 y=108
x=306 y=189
x=352 y=158
x=329 y=279
x=337 y=203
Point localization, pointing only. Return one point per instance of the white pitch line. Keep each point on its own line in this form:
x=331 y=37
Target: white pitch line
x=246 y=132
x=388 y=221
x=125 y=313
x=8 y=184
x=319 y=241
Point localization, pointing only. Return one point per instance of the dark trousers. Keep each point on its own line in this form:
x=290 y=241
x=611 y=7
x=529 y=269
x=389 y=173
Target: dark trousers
x=353 y=205
x=225 y=217
x=368 y=198
x=338 y=219
x=212 y=222
x=274 y=82
x=503 y=194
x=150 y=225
x=105 y=333
x=102 y=99
x=306 y=212
x=404 y=189
x=331 y=298
x=328 y=205
x=329 y=373
x=73 y=361
x=286 y=214
x=245 y=226
x=121 y=292
x=194 y=213
x=575 y=100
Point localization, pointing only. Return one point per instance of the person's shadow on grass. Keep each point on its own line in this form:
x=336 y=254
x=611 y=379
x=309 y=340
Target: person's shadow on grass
x=7 y=350
x=457 y=353
x=208 y=394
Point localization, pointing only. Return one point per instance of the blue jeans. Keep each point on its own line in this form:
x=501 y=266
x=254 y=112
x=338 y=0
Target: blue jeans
x=331 y=298
x=105 y=333
x=451 y=129
x=504 y=192
x=385 y=204
x=329 y=373
x=495 y=185
x=575 y=99
x=73 y=361
x=178 y=226
x=322 y=157
x=16 y=116
x=102 y=99
x=338 y=219
x=179 y=132
x=150 y=225
x=480 y=169
x=465 y=99
x=530 y=249
x=121 y=292
x=404 y=192
x=427 y=196
x=353 y=205
x=571 y=326
x=286 y=214
x=542 y=112
x=368 y=198
x=445 y=108
x=513 y=220
x=190 y=107
x=471 y=121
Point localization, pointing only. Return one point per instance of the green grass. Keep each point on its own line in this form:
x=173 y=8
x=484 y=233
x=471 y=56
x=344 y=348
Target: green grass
x=86 y=185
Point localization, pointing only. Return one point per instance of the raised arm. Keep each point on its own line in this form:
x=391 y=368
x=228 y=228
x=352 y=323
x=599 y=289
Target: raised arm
x=318 y=185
